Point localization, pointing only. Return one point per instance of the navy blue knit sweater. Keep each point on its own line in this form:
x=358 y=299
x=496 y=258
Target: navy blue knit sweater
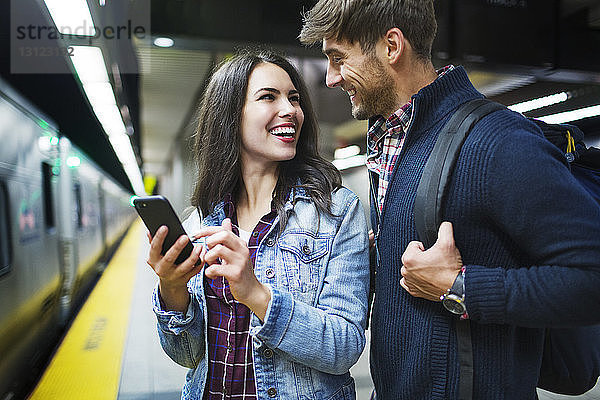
x=529 y=237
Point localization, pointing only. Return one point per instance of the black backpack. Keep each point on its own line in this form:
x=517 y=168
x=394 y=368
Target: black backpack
x=565 y=347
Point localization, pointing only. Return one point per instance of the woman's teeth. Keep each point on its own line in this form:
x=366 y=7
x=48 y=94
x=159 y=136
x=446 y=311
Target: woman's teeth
x=283 y=131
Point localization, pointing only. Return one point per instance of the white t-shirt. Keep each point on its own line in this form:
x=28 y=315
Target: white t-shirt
x=245 y=235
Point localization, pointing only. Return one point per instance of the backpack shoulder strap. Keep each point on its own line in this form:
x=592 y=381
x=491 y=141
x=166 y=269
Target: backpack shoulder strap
x=428 y=203
x=440 y=165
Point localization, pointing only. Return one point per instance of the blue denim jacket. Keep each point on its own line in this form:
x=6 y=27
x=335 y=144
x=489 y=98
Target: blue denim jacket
x=313 y=331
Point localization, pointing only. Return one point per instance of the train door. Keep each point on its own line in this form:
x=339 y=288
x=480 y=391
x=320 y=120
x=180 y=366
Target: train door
x=66 y=230
x=5 y=236
x=103 y=233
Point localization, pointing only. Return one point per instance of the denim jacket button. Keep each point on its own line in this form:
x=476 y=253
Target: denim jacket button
x=272 y=392
x=270 y=272
x=268 y=353
x=270 y=242
x=306 y=249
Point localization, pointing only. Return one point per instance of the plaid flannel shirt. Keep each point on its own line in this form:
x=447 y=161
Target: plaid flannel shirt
x=230 y=361
x=385 y=139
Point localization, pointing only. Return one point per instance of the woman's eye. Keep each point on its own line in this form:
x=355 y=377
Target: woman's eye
x=267 y=97
x=295 y=99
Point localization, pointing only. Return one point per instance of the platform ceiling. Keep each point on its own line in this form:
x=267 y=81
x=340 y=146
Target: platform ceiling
x=515 y=51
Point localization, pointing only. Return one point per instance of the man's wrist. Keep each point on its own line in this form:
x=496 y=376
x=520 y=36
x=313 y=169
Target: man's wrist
x=454 y=298
x=465 y=315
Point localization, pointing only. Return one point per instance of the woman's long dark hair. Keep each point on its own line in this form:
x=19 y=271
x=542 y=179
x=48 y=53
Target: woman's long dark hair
x=218 y=140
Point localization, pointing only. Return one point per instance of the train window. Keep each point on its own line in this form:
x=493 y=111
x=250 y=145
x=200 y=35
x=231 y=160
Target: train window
x=78 y=205
x=47 y=175
x=5 y=245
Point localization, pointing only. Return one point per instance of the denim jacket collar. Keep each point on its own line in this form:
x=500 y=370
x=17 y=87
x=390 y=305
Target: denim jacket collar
x=218 y=214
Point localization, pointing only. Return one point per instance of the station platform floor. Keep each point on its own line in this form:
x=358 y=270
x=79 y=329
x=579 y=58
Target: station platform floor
x=111 y=350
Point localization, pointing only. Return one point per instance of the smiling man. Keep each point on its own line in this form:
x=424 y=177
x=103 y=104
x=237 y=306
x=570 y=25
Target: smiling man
x=520 y=232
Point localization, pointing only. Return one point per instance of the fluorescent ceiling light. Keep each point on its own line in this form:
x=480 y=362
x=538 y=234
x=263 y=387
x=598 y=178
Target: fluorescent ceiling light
x=163 y=42
x=91 y=70
x=89 y=64
x=111 y=120
x=346 y=152
x=135 y=177
x=122 y=145
x=99 y=94
x=345 y=163
x=124 y=152
x=71 y=17
x=127 y=157
x=574 y=115
x=539 y=103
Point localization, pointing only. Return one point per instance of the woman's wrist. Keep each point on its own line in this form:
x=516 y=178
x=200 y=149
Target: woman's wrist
x=173 y=298
x=259 y=301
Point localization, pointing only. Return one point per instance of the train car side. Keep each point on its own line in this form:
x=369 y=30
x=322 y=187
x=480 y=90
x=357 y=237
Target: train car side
x=60 y=215
x=30 y=279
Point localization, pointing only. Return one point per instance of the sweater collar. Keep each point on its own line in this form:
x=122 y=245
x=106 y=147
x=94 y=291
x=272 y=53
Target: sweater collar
x=440 y=98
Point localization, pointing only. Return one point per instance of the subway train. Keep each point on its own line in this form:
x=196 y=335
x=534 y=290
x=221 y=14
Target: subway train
x=60 y=217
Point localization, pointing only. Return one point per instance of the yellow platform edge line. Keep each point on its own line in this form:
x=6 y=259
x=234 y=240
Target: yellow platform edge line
x=87 y=364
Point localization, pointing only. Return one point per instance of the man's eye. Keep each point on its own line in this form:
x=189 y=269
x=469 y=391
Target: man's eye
x=336 y=60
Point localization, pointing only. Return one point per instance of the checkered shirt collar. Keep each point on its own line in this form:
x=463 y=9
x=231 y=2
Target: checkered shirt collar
x=396 y=124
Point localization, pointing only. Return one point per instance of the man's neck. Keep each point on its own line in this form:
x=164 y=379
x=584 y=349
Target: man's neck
x=411 y=79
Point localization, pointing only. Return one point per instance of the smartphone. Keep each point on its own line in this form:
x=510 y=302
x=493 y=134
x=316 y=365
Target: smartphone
x=156 y=211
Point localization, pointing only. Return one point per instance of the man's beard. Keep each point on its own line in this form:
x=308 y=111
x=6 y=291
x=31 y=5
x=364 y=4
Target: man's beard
x=379 y=98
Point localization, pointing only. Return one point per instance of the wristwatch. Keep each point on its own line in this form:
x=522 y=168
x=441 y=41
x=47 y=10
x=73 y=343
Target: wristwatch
x=454 y=298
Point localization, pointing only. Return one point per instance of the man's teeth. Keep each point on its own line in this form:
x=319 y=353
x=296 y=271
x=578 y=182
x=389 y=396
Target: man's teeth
x=283 y=131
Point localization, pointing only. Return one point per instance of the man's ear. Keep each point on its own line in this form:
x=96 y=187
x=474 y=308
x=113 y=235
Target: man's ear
x=395 y=44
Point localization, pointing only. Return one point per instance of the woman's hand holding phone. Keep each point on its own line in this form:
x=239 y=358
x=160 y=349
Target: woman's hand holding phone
x=173 y=278
x=227 y=255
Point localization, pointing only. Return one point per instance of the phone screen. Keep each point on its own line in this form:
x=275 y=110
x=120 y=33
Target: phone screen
x=156 y=211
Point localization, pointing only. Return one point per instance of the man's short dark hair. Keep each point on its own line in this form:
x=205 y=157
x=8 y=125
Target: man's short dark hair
x=366 y=21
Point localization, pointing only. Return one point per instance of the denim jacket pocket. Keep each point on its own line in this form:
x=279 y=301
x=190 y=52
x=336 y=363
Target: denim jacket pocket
x=303 y=255
x=346 y=392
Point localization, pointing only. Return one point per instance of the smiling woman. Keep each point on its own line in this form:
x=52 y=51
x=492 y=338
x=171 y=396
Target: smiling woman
x=272 y=117
x=286 y=248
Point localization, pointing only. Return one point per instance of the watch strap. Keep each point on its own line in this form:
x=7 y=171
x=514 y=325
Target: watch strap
x=458 y=287
x=458 y=290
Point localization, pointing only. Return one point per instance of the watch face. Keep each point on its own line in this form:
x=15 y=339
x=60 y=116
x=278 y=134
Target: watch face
x=454 y=304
